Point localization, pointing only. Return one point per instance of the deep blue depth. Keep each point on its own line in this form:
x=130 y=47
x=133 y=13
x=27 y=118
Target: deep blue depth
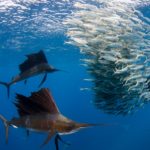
x=124 y=133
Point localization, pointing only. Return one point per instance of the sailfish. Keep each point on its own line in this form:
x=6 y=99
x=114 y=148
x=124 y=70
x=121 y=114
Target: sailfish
x=35 y=64
x=40 y=113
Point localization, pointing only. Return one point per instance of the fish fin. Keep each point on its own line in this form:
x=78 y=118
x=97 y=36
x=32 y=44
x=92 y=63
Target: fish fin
x=7 y=85
x=56 y=142
x=25 y=81
x=39 y=102
x=59 y=138
x=12 y=78
x=33 y=60
x=28 y=132
x=43 y=80
x=6 y=124
x=48 y=138
x=44 y=98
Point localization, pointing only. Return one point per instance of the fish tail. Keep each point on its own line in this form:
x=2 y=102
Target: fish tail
x=6 y=124
x=7 y=85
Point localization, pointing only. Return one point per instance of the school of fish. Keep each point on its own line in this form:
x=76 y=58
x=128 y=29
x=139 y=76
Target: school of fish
x=114 y=36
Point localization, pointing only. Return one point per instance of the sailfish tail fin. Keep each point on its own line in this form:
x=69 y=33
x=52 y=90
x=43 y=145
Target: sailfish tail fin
x=6 y=124
x=7 y=85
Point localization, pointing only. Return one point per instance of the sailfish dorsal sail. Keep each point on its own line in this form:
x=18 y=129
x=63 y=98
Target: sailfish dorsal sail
x=39 y=102
x=33 y=60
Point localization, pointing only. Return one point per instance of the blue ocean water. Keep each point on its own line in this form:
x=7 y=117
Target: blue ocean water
x=124 y=133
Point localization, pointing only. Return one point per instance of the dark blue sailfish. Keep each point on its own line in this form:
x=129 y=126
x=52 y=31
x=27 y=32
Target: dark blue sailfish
x=35 y=64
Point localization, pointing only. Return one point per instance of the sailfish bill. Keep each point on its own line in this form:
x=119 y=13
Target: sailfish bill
x=35 y=64
x=39 y=112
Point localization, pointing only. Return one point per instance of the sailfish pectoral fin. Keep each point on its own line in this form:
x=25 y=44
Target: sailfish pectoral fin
x=56 y=142
x=48 y=138
x=28 y=132
x=43 y=80
x=25 y=81
x=7 y=85
x=59 y=138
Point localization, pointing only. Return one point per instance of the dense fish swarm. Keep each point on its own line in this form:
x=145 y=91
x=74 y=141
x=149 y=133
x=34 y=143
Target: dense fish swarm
x=115 y=38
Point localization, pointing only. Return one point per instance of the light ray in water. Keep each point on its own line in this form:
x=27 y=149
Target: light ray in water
x=117 y=37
